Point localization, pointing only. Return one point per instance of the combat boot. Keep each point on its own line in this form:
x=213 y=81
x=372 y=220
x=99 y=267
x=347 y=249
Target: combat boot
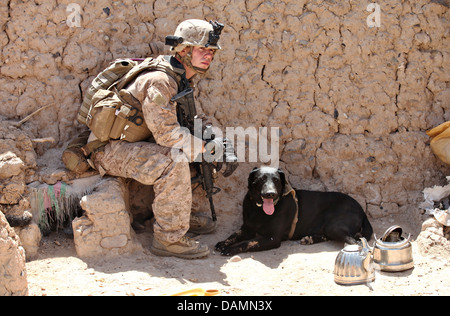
x=200 y=224
x=185 y=248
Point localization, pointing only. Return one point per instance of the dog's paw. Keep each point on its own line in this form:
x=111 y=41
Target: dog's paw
x=307 y=240
x=225 y=251
x=224 y=248
x=230 y=251
x=220 y=245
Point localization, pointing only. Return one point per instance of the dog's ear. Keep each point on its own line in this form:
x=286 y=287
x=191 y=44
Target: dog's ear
x=251 y=176
x=282 y=176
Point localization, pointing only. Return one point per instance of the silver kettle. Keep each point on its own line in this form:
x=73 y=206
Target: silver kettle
x=392 y=252
x=354 y=264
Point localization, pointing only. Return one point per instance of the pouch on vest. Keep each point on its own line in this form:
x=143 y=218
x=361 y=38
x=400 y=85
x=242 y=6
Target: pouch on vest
x=135 y=129
x=120 y=122
x=117 y=115
x=102 y=114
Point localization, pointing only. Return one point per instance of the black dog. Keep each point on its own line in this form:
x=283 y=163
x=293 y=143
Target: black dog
x=274 y=212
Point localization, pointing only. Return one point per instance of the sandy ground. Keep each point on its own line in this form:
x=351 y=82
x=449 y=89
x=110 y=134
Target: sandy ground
x=292 y=269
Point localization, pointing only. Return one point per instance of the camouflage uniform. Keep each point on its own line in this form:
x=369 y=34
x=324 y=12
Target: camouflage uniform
x=152 y=163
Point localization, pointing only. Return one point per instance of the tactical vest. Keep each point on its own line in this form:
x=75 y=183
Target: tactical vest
x=112 y=112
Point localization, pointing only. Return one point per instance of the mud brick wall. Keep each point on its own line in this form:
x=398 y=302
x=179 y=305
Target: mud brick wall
x=352 y=85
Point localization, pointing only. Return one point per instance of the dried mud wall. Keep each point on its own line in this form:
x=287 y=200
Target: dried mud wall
x=352 y=87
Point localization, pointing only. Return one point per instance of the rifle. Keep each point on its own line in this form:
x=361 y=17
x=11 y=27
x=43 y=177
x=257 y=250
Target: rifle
x=186 y=113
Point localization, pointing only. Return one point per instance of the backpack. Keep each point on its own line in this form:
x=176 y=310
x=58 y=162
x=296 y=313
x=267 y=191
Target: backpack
x=109 y=110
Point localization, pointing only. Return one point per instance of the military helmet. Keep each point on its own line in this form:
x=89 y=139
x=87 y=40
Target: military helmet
x=195 y=32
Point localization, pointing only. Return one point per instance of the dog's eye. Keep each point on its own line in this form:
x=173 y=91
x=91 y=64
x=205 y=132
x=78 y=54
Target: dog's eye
x=276 y=180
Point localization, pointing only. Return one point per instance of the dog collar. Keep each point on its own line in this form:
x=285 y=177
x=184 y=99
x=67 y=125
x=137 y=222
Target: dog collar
x=295 y=220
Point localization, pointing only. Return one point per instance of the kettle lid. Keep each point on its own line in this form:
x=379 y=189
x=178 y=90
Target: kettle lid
x=351 y=248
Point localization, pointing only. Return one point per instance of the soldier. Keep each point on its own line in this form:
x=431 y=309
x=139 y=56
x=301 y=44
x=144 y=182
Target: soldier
x=151 y=163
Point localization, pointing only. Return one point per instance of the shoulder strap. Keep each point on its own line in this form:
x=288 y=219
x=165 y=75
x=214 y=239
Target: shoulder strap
x=161 y=64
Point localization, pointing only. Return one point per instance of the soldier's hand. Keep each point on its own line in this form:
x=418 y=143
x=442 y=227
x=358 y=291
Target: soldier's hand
x=229 y=158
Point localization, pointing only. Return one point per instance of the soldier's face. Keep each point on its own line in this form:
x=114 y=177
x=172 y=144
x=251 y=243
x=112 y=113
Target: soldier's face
x=202 y=57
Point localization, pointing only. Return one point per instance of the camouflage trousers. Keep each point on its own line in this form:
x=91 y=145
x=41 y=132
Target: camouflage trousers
x=151 y=164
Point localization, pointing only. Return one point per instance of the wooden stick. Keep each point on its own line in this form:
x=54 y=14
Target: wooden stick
x=18 y=124
x=43 y=140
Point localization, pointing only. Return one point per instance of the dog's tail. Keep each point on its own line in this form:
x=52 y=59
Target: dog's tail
x=366 y=229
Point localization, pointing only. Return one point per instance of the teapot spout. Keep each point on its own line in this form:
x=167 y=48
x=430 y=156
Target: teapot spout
x=365 y=246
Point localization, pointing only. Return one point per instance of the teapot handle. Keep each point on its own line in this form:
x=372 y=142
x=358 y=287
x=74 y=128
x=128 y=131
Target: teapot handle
x=390 y=230
x=382 y=243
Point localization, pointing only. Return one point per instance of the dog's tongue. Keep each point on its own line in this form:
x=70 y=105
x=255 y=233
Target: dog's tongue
x=268 y=206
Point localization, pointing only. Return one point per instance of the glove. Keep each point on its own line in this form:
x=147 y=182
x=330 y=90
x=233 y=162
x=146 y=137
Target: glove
x=217 y=148
x=229 y=157
x=222 y=152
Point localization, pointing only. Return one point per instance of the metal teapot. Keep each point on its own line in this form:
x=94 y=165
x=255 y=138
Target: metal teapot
x=354 y=264
x=392 y=252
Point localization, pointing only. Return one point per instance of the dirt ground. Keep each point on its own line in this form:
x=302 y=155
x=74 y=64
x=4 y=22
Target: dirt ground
x=292 y=269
